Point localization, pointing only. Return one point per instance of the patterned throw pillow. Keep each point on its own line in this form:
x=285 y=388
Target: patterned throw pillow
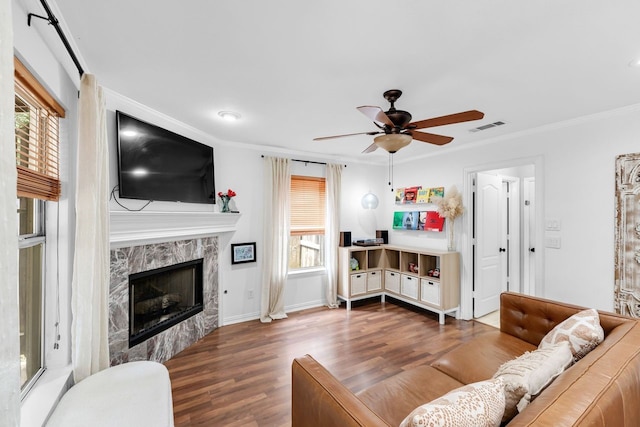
x=527 y=375
x=582 y=331
x=479 y=404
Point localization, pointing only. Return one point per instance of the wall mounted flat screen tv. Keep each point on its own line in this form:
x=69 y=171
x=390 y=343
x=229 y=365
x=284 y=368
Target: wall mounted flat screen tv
x=157 y=164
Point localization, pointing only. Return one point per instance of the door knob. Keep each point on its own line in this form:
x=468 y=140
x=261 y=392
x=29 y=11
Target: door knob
x=503 y=250
x=532 y=249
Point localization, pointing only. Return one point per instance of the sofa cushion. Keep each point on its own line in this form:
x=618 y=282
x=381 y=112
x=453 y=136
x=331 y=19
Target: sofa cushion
x=527 y=375
x=392 y=399
x=582 y=331
x=479 y=404
x=478 y=359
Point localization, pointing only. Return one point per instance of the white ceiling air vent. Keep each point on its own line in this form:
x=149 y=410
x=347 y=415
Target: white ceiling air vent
x=485 y=127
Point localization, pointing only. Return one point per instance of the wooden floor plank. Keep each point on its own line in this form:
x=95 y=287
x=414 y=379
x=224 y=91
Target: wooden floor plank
x=240 y=375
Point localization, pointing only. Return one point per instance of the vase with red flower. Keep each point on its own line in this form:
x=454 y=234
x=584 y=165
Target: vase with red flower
x=226 y=198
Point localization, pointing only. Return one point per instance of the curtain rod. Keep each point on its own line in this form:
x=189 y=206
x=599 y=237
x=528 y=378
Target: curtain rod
x=306 y=161
x=51 y=19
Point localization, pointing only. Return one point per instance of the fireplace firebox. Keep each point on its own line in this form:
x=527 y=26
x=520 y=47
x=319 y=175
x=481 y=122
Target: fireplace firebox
x=163 y=297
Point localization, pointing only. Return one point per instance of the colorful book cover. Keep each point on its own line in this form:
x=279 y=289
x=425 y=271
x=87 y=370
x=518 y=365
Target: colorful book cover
x=410 y=220
x=422 y=220
x=399 y=196
x=437 y=192
x=433 y=222
x=397 y=220
x=410 y=194
x=423 y=195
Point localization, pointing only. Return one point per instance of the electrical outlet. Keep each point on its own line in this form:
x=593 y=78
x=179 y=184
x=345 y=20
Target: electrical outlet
x=250 y=293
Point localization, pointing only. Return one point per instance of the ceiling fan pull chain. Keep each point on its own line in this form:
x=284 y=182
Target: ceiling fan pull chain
x=391 y=171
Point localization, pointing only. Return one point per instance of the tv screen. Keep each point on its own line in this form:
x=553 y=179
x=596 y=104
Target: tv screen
x=157 y=164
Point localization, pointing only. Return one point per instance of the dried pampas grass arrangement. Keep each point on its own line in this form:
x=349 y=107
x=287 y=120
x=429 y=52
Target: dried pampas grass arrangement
x=450 y=206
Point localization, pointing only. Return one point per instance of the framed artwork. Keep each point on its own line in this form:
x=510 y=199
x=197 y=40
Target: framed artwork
x=627 y=236
x=243 y=252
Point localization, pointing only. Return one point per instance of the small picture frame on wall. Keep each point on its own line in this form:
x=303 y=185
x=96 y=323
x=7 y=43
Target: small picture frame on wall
x=243 y=252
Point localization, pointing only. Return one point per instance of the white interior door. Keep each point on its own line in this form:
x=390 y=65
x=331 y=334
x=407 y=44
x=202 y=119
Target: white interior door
x=512 y=234
x=489 y=252
x=529 y=241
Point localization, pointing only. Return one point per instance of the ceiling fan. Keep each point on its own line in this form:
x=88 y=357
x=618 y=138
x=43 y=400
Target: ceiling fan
x=397 y=130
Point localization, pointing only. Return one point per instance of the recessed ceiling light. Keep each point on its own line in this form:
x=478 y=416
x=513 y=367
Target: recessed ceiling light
x=635 y=63
x=230 y=116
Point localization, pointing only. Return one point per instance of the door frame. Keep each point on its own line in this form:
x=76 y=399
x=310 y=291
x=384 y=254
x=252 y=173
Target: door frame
x=466 y=249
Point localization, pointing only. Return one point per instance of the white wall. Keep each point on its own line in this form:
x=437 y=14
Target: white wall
x=578 y=179
x=240 y=167
x=578 y=184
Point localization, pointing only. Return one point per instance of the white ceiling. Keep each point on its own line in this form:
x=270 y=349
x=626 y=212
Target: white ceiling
x=296 y=69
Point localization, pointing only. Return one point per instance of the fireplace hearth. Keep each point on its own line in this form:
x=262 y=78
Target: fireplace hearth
x=163 y=297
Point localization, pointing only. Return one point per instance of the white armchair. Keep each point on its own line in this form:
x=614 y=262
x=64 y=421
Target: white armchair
x=135 y=394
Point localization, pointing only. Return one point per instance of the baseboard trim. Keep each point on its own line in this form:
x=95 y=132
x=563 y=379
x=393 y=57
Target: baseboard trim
x=255 y=316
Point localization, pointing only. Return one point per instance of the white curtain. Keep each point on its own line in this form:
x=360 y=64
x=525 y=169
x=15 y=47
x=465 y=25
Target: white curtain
x=9 y=323
x=277 y=184
x=90 y=286
x=332 y=232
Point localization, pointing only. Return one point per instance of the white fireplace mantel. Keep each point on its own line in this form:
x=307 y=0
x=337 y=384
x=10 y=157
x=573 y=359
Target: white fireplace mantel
x=140 y=228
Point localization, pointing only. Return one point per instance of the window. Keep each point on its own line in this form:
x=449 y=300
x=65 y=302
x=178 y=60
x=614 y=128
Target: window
x=30 y=287
x=306 y=245
x=37 y=117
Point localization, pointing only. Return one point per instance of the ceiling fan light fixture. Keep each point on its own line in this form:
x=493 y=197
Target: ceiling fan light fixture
x=393 y=142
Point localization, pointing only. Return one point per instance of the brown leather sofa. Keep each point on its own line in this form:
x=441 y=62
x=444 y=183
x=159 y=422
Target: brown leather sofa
x=601 y=389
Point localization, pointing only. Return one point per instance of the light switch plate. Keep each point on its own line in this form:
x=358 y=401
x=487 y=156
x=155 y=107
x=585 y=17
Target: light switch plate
x=553 y=224
x=552 y=242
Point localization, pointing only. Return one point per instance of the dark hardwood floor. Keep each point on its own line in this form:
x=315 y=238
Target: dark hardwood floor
x=240 y=375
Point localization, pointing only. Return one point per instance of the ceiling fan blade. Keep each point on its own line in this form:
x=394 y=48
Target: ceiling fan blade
x=376 y=114
x=322 y=138
x=431 y=138
x=466 y=116
x=370 y=148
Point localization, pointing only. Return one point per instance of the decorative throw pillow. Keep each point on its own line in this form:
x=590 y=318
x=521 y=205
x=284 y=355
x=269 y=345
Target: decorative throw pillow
x=479 y=404
x=527 y=375
x=582 y=331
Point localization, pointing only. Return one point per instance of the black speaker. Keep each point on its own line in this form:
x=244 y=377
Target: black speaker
x=384 y=235
x=345 y=238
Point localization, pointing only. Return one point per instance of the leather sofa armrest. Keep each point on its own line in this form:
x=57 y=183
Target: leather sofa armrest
x=319 y=399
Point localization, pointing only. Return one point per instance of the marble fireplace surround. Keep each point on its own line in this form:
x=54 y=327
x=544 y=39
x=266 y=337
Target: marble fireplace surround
x=145 y=240
x=136 y=259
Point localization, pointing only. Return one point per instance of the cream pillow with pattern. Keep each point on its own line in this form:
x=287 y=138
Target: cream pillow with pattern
x=479 y=404
x=527 y=375
x=582 y=331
